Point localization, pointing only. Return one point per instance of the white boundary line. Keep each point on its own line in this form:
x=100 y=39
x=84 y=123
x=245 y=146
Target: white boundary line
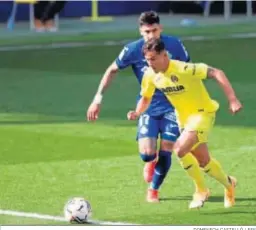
x=55 y=218
x=114 y=43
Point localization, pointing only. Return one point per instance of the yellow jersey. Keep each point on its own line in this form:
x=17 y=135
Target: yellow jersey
x=182 y=85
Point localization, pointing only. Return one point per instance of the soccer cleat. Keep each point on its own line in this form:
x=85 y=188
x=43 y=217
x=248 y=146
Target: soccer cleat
x=229 y=196
x=198 y=199
x=152 y=196
x=149 y=171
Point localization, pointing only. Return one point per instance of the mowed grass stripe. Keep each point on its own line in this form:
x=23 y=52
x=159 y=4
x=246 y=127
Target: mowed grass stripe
x=116 y=190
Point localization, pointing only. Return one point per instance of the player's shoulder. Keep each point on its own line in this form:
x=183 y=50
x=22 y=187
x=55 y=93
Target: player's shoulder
x=135 y=45
x=170 y=39
x=189 y=68
x=132 y=49
x=130 y=54
x=181 y=66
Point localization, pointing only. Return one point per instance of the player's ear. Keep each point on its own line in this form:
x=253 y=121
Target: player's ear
x=141 y=31
x=161 y=28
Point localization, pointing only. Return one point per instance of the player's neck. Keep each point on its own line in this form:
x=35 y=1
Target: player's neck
x=166 y=66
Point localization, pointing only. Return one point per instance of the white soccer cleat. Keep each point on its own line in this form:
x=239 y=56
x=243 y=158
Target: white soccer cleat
x=198 y=199
x=229 y=194
x=196 y=204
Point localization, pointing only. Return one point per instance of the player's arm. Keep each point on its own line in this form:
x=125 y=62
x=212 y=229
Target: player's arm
x=221 y=78
x=121 y=62
x=108 y=76
x=147 y=92
x=203 y=71
x=94 y=108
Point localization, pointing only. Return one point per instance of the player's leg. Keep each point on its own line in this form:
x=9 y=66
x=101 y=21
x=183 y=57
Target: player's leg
x=182 y=148
x=169 y=132
x=213 y=168
x=163 y=164
x=161 y=168
x=147 y=148
x=190 y=137
x=147 y=141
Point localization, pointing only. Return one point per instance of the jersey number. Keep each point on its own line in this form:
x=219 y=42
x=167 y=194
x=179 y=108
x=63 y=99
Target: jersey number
x=144 y=120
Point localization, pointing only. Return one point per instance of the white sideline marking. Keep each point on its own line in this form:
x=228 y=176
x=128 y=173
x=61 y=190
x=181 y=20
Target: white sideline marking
x=55 y=218
x=114 y=43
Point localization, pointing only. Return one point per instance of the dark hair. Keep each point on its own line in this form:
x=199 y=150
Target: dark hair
x=149 y=18
x=153 y=45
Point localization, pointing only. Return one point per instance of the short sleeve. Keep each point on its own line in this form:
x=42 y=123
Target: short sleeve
x=147 y=86
x=198 y=70
x=124 y=59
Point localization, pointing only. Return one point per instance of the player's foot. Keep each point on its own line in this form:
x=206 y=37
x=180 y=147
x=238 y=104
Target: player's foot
x=199 y=198
x=152 y=196
x=229 y=197
x=149 y=171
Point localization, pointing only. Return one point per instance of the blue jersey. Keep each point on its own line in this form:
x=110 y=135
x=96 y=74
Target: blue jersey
x=132 y=55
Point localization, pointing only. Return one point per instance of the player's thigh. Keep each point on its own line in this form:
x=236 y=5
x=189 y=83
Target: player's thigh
x=202 y=123
x=147 y=145
x=195 y=133
x=169 y=131
x=148 y=129
x=185 y=142
x=201 y=153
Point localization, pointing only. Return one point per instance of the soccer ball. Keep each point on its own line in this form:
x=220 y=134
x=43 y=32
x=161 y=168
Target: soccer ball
x=77 y=210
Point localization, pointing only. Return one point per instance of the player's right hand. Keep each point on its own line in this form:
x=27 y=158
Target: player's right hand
x=93 y=112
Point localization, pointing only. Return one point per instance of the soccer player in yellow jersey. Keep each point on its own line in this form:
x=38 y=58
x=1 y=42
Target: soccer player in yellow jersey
x=182 y=84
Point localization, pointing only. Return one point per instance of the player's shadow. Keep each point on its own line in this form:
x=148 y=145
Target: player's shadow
x=213 y=199
x=238 y=200
x=233 y=211
x=175 y=198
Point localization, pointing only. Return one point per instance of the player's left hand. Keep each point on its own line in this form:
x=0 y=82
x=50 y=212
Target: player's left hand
x=235 y=106
x=132 y=115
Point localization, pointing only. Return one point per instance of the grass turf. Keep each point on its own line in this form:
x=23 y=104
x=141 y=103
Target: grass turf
x=50 y=153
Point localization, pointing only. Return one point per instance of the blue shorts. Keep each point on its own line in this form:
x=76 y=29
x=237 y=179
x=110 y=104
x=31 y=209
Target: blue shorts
x=152 y=126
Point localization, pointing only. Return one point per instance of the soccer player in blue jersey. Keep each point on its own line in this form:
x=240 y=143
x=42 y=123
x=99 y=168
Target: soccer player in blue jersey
x=159 y=120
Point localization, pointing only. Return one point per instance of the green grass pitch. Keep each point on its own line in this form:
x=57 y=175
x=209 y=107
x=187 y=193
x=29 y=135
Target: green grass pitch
x=49 y=153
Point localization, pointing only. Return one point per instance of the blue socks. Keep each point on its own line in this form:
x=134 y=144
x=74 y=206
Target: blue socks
x=162 y=167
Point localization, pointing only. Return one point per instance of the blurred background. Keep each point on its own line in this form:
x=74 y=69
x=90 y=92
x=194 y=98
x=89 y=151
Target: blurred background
x=72 y=14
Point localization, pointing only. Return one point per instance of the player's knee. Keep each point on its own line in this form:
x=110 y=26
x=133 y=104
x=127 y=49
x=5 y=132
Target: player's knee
x=166 y=145
x=147 y=154
x=202 y=155
x=179 y=150
x=203 y=161
x=147 y=150
x=148 y=157
x=147 y=146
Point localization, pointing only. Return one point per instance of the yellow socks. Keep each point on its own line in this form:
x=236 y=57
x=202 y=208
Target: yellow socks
x=213 y=169
x=190 y=164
